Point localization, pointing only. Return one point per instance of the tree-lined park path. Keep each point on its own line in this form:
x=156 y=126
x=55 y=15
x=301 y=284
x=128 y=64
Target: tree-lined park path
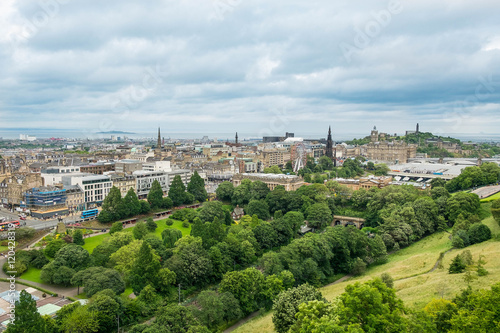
x=59 y=290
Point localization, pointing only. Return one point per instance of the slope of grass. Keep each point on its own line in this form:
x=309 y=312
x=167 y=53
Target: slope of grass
x=410 y=267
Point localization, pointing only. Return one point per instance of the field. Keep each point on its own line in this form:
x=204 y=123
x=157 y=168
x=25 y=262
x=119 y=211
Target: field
x=410 y=268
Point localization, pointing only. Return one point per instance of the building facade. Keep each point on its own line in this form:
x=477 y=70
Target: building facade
x=289 y=182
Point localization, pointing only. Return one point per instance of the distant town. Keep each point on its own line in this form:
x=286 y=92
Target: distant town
x=51 y=178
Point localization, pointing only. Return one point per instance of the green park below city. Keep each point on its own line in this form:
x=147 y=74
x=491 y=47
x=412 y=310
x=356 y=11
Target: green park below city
x=201 y=271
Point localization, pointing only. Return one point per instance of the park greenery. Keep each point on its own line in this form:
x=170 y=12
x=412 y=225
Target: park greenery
x=224 y=270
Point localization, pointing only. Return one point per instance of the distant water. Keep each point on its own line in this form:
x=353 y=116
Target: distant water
x=13 y=133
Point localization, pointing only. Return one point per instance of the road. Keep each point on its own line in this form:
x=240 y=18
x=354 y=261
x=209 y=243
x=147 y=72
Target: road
x=35 y=223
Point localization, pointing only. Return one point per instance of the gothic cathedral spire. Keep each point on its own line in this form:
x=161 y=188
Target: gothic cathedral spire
x=158 y=145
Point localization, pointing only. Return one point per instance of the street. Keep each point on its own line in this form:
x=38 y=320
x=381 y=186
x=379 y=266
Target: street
x=36 y=224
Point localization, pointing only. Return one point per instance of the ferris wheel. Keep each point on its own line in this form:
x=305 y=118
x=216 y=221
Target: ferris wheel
x=298 y=156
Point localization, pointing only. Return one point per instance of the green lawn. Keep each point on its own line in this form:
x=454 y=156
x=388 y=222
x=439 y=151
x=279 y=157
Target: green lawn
x=32 y=274
x=162 y=225
x=92 y=242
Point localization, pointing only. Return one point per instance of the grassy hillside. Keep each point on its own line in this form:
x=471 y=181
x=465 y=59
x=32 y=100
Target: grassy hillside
x=410 y=268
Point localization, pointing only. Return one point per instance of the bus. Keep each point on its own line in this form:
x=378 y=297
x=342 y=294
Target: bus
x=8 y=225
x=89 y=213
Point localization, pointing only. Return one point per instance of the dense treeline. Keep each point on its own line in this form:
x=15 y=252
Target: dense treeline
x=487 y=173
x=114 y=207
x=374 y=307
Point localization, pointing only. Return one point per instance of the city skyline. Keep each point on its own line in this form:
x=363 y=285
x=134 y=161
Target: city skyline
x=257 y=68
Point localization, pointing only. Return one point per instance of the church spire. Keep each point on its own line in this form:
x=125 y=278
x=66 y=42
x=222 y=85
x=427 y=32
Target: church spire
x=236 y=138
x=158 y=145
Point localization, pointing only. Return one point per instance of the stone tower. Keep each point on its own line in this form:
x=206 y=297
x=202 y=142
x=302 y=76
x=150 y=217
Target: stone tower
x=158 y=146
x=236 y=138
x=329 y=144
x=374 y=134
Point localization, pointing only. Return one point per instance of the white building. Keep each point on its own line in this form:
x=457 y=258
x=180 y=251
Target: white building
x=95 y=187
x=157 y=166
x=144 y=180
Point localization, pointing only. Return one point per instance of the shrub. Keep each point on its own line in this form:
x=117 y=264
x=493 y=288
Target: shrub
x=151 y=225
x=116 y=227
x=388 y=280
x=170 y=222
x=479 y=233
x=359 y=267
x=185 y=224
x=457 y=265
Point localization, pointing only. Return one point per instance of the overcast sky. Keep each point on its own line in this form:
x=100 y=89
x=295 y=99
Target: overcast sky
x=252 y=66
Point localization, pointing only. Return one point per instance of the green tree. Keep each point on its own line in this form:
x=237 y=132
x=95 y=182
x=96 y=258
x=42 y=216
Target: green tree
x=287 y=304
x=81 y=320
x=123 y=259
x=326 y=163
x=145 y=207
x=246 y=286
x=259 y=208
x=196 y=187
x=438 y=182
x=155 y=195
x=113 y=205
x=145 y=269
x=95 y=279
x=319 y=215
x=190 y=262
x=53 y=246
x=27 y=319
x=107 y=307
x=167 y=203
x=116 y=227
x=373 y=306
x=457 y=265
x=73 y=256
x=170 y=236
x=387 y=279
x=273 y=169
x=478 y=233
x=177 y=191
x=151 y=224
x=132 y=203
x=225 y=191
x=259 y=190
x=140 y=230
x=216 y=309
x=210 y=210
x=479 y=313
x=78 y=237
x=495 y=210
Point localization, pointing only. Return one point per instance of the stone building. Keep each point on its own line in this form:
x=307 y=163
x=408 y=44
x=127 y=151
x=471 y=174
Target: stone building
x=14 y=187
x=289 y=182
x=365 y=182
x=388 y=151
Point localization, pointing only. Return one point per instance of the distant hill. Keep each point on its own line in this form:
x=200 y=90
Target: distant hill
x=115 y=132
